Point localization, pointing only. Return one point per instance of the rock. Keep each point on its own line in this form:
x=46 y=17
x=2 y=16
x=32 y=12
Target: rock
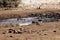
x=18 y=32
x=54 y=31
x=3 y=33
x=11 y=36
x=10 y=31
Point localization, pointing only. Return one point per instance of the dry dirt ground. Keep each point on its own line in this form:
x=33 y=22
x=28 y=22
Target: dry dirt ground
x=43 y=31
x=22 y=13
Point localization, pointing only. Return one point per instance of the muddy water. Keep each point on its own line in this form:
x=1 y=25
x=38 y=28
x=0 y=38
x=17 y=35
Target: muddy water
x=28 y=20
x=32 y=18
x=20 y=21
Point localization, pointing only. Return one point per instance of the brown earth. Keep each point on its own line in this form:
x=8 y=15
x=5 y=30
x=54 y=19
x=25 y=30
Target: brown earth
x=43 y=31
x=22 y=13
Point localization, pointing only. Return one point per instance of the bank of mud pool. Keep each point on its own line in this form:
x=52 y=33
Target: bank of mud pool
x=32 y=18
x=34 y=26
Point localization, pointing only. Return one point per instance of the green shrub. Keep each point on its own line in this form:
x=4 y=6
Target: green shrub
x=0 y=3
x=5 y=3
x=16 y=4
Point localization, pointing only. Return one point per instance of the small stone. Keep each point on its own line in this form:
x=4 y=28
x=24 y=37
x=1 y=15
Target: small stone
x=19 y=32
x=10 y=32
x=45 y=34
x=3 y=33
x=11 y=36
x=54 y=31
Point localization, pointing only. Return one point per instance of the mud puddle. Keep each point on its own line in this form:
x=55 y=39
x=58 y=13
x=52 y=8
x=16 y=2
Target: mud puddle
x=33 y=18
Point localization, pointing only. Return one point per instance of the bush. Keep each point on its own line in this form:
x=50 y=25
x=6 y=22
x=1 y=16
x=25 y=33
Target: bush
x=0 y=3
x=5 y=3
x=16 y=4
